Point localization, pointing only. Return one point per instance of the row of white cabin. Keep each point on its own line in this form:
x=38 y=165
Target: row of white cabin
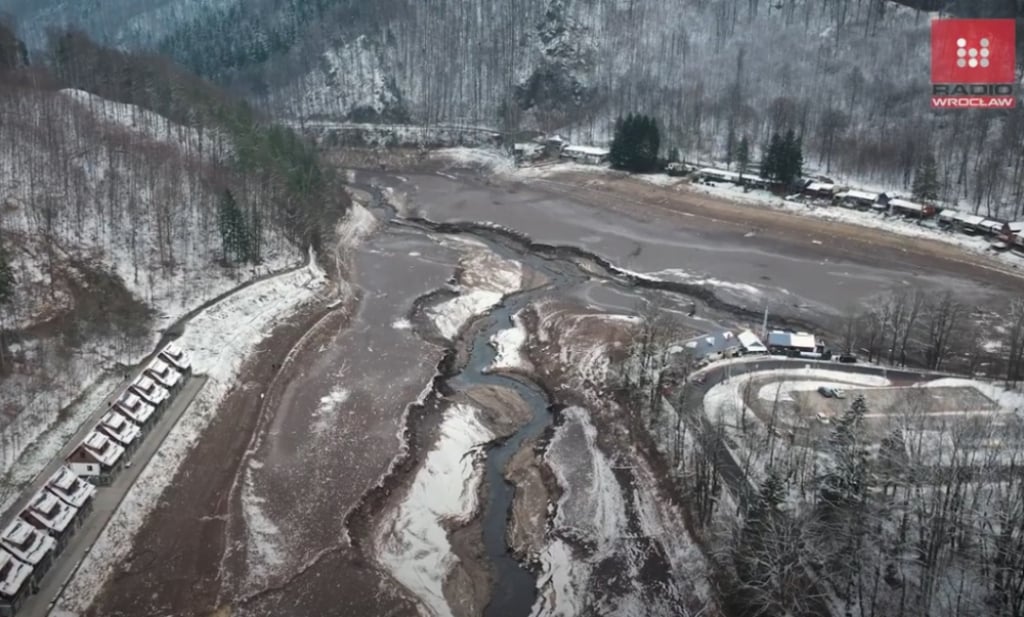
x=30 y=543
x=971 y=224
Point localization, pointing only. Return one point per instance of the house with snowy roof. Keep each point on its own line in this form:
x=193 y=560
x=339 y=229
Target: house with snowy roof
x=164 y=375
x=788 y=343
x=48 y=514
x=820 y=190
x=71 y=489
x=15 y=583
x=903 y=207
x=30 y=546
x=862 y=200
x=98 y=458
x=122 y=430
x=152 y=392
x=177 y=357
x=588 y=155
x=751 y=343
x=713 y=346
x=136 y=409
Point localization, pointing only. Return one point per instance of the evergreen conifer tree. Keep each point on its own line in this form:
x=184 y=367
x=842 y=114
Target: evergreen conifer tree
x=926 y=179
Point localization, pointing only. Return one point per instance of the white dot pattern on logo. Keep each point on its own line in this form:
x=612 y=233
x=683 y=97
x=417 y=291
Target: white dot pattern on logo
x=977 y=57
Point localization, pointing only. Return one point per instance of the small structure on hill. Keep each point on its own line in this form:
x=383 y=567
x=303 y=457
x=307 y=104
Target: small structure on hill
x=587 y=155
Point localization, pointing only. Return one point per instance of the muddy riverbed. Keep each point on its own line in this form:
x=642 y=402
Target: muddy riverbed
x=453 y=444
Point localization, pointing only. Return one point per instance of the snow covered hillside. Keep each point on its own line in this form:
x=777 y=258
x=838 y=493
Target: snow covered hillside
x=850 y=77
x=110 y=224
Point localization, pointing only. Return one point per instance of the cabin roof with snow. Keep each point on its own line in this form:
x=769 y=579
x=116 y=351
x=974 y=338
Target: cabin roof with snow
x=751 y=342
x=903 y=204
x=13 y=574
x=118 y=427
x=72 y=490
x=858 y=195
x=100 y=446
x=53 y=513
x=587 y=150
x=820 y=187
x=712 y=343
x=792 y=340
x=18 y=532
x=1016 y=227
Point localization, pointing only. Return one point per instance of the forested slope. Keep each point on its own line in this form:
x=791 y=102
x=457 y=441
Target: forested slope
x=117 y=220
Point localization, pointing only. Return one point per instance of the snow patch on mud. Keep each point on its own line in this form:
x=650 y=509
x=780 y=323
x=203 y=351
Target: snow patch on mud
x=412 y=542
x=219 y=340
x=326 y=414
x=482 y=158
x=264 y=552
x=485 y=278
x=509 y=344
x=451 y=316
x=358 y=224
x=591 y=510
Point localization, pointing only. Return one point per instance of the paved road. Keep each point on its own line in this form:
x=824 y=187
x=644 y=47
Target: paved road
x=739 y=483
x=106 y=501
x=693 y=406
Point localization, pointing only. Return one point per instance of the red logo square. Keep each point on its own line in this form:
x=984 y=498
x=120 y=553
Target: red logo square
x=973 y=51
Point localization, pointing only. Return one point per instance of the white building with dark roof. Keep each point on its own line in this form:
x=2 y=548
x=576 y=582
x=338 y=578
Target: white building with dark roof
x=14 y=583
x=71 y=489
x=98 y=458
x=137 y=409
x=30 y=546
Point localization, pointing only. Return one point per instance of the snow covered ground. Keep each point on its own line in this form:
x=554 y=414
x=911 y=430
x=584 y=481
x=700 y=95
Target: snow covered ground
x=412 y=543
x=509 y=344
x=590 y=510
x=485 y=278
x=219 y=340
x=147 y=220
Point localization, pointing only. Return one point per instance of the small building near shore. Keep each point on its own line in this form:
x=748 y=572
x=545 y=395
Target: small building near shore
x=713 y=346
x=751 y=343
x=862 y=200
x=820 y=190
x=903 y=207
x=792 y=343
x=588 y=155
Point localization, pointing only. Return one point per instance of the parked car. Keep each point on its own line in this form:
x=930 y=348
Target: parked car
x=848 y=358
x=830 y=392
